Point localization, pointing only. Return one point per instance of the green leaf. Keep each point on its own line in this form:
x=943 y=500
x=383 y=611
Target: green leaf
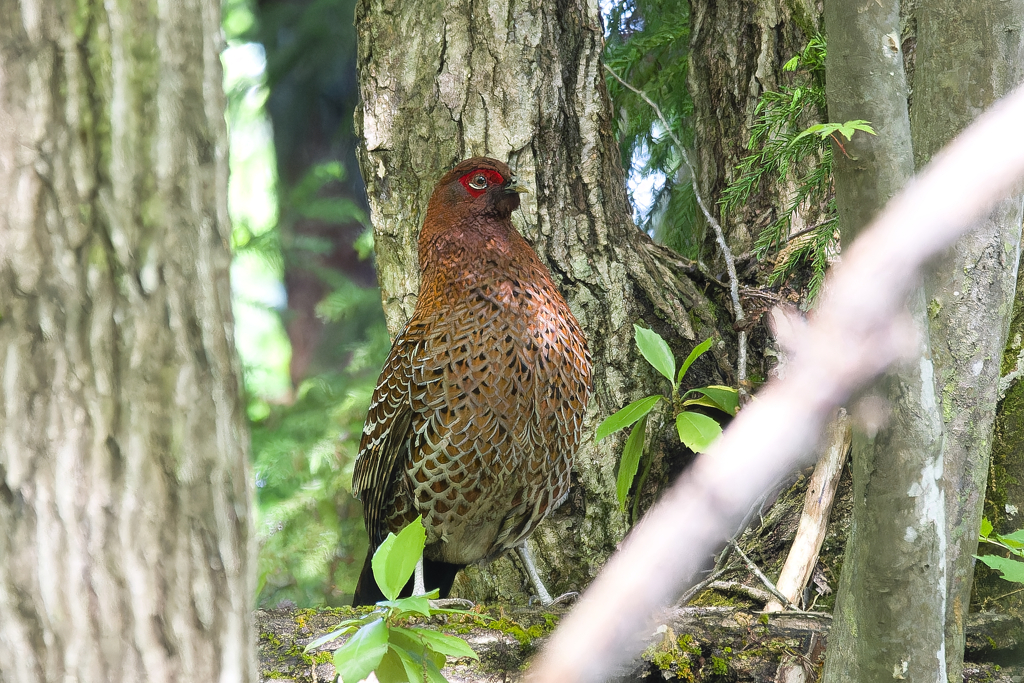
x=344 y=628
x=986 y=527
x=724 y=398
x=1016 y=537
x=419 y=664
x=630 y=461
x=393 y=670
x=439 y=642
x=627 y=416
x=362 y=653
x=697 y=431
x=396 y=558
x=1012 y=570
x=656 y=351
x=417 y=604
x=696 y=353
x=791 y=64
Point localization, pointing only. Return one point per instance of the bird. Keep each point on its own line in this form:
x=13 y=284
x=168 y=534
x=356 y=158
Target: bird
x=478 y=411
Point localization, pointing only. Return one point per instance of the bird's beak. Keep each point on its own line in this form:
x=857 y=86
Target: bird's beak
x=521 y=189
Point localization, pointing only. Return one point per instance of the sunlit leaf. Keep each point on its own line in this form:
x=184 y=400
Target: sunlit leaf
x=627 y=416
x=656 y=351
x=724 y=398
x=1011 y=570
x=439 y=642
x=697 y=431
x=696 y=353
x=630 y=461
x=344 y=628
x=362 y=653
x=396 y=558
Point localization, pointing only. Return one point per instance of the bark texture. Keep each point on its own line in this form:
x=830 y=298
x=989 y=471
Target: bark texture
x=889 y=615
x=737 y=50
x=521 y=81
x=124 y=480
x=967 y=57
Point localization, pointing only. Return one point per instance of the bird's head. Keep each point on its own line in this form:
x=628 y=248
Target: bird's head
x=480 y=186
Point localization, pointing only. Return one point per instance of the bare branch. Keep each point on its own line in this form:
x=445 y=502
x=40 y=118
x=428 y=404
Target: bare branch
x=860 y=330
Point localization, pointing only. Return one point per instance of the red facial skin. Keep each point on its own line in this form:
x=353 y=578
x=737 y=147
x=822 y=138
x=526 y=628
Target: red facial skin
x=493 y=178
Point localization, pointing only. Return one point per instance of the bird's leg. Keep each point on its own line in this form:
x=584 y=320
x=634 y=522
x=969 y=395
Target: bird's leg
x=531 y=569
x=418 y=587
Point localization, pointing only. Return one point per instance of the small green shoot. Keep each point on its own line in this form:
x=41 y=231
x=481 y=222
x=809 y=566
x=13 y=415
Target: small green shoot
x=1010 y=569
x=395 y=653
x=826 y=130
x=696 y=431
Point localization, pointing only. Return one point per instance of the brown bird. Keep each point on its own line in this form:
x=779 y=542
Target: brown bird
x=478 y=410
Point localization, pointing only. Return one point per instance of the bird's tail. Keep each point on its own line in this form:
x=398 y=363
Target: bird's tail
x=440 y=575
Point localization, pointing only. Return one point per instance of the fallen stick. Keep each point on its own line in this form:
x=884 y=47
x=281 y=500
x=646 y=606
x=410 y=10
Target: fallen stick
x=821 y=492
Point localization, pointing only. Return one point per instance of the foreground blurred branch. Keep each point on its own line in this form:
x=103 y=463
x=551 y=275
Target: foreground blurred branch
x=859 y=330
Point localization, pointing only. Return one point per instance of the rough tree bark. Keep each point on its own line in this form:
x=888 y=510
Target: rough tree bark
x=889 y=613
x=124 y=483
x=522 y=81
x=737 y=50
x=967 y=56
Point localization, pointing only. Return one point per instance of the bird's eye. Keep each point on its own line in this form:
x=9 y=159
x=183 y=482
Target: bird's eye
x=479 y=182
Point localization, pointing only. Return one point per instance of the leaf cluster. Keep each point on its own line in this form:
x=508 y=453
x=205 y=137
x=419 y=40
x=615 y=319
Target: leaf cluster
x=395 y=653
x=1011 y=569
x=783 y=150
x=696 y=430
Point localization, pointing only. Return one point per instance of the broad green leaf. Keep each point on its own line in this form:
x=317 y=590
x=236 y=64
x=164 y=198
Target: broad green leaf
x=396 y=558
x=656 y=351
x=1012 y=570
x=725 y=399
x=439 y=642
x=630 y=461
x=1016 y=537
x=423 y=663
x=696 y=353
x=362 y=653
x=344 y=628
x=701 y=401
x=393 y=670
x=627 y=416
x=986 y=527
x=417 y=604
x=697 y=431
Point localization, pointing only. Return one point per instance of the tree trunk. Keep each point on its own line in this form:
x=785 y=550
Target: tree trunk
x=737 y=50
x=890 y=607
x=523 y=82
x=967 y=56
x=124 y=476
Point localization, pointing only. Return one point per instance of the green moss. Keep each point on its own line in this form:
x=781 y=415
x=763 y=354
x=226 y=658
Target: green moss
x=719 y=666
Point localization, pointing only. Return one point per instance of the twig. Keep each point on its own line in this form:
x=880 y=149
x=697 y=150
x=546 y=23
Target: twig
x=810 y=533
x=699 y=588
x=730 y=262
x=741 y=588
x=762 y=578
x=859 y=330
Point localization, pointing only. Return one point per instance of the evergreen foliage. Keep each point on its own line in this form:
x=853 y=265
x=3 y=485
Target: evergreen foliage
x=647 y=45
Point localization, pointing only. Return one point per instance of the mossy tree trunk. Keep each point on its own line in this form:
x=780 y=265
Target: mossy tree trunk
x=967 y=56
x=125 y=489
x=522 y=81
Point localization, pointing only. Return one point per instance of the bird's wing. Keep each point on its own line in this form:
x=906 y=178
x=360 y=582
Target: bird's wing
x=384 y=446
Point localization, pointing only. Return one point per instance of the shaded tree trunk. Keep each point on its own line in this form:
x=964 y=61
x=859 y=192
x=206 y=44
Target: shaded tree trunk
x=967 y=56
x=737 y=50
x=124 y=478
x=522 y=81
